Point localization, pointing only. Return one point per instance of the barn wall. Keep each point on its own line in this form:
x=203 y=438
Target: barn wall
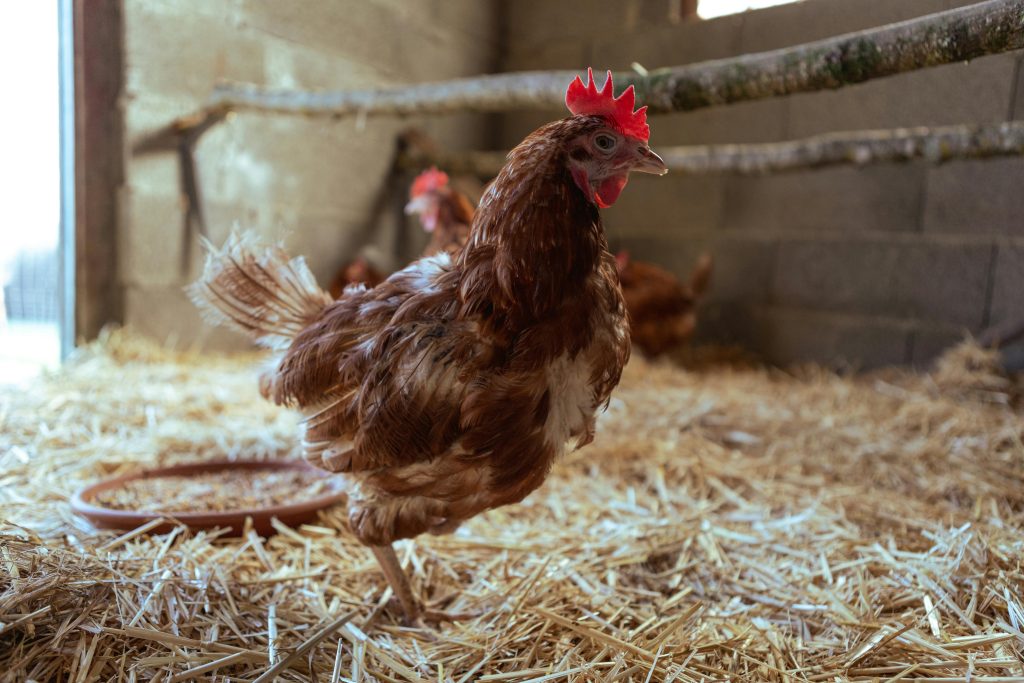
x=887 y=264
x=313 y=182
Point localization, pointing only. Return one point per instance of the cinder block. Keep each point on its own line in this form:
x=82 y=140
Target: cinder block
x=515 y=126
x=938 y=283
x=786 y=337
x=151 y=241
x=402 y=41
x=536 y=23
x=728 y=324
x=744 y=270
x=567 y=54
x=1013 y=358
x=361 y=31
x=459 y=131
x=836 y=276
x=976 y=196
x=316 y=163
x=943 y=283
x=841 y=200
x=167 y=315
x=826 y=18
x=974 y=92
x=670 y=45
x=835 y=17
x=1008 y=287
x=761 y=121
x=928 y=343
x=173 y=51
x=154 y=173
x=472 y=19
x=290 y=65
x=223 y=217
x=227 y=12
x=666 y=207
x=804 y=22
x=775 y=27
x=677 y=256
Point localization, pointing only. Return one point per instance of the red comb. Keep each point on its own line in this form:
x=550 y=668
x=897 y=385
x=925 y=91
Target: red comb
x=431 y=179
x=588 y=100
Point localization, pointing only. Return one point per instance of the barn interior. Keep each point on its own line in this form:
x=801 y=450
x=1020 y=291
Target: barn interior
x=820 y=478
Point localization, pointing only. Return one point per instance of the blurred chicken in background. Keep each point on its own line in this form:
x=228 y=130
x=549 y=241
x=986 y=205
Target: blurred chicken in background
x=662 y=310
x=444 y=212
x=365 y=269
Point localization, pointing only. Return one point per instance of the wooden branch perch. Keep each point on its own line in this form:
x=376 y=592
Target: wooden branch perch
x=934 y=145
x=953 y=36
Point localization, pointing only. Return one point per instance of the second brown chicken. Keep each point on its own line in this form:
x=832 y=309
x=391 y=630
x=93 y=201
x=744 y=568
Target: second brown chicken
x=662 y=309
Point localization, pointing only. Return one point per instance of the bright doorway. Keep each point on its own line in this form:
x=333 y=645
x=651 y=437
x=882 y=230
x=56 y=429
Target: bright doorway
x=30 y=173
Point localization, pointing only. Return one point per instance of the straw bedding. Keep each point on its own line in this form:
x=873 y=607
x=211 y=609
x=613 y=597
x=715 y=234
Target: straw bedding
x=729 y=523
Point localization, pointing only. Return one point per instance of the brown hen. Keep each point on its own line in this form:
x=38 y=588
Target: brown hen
x=662 y=310
x=358 y=272
x=451 y=387
x=444 y=212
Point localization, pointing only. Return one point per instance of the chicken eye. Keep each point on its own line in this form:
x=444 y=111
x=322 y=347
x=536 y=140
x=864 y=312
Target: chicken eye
x=604 y=142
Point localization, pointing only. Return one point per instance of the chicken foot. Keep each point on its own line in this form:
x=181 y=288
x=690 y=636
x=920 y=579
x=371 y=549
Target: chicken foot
x=415 y=614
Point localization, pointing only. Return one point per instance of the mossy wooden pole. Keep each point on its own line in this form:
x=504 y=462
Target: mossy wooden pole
x=953 y=36
x=934 y=145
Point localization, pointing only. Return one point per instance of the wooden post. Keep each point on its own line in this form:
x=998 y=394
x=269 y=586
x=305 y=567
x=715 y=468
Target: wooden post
x=99 y=167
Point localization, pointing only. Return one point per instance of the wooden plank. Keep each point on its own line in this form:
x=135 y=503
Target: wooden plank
x=99 y=166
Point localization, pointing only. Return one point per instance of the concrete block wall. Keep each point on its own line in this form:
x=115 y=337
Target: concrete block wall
x=885 y=264
x=313 y=182
x=866 y=266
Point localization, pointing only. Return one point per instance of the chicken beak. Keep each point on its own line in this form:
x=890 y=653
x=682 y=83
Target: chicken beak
x=417 y=205
x=649 y=162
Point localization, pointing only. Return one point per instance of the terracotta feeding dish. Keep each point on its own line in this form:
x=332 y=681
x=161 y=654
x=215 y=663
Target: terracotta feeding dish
x=214 y=494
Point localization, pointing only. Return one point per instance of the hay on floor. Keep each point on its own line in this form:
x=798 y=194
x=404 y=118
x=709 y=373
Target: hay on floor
x=727 y=524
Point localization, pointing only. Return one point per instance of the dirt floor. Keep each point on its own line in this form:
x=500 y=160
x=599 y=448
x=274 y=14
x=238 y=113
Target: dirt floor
x=728 y=523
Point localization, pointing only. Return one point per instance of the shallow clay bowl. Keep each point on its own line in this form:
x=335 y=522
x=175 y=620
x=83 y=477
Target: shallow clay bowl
x=290 y=514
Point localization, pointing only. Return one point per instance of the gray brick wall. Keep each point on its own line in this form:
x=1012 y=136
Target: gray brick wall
x=862 y=266
x=312 y=182
x=858 y=266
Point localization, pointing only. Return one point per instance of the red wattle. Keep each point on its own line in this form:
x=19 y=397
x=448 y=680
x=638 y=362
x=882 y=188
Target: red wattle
x=610 y=189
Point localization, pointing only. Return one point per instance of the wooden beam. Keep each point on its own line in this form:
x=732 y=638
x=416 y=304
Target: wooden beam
x=858 y=148
x=99 y=167
x=935 y=145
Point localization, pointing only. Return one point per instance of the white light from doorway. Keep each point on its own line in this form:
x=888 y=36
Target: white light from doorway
x=30 y=176
x=708 y=9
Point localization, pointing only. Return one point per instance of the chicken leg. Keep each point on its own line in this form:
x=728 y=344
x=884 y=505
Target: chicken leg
x=395 y=575
x=414 y=612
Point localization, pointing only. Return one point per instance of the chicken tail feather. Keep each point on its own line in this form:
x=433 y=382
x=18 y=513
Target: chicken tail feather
x=257 y=289
x=700 y=279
